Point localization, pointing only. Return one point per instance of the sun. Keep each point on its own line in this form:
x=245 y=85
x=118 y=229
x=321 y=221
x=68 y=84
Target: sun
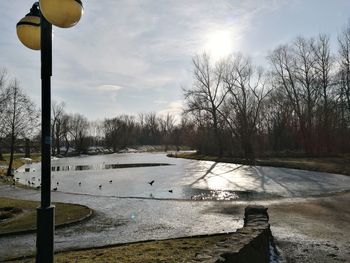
x=219 y=43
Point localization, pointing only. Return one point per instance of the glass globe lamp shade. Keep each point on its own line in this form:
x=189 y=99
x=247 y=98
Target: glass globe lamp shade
x=62 y=13
x=28 y=28
x=28 y=31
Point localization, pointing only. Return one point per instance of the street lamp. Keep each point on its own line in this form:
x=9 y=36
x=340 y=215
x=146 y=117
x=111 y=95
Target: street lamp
x=35 y=32
x=62 y=13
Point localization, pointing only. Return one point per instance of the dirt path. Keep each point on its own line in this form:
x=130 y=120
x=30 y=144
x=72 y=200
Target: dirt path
x=313 y=231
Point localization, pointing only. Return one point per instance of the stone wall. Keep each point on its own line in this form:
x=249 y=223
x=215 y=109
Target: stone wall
x=249 y=244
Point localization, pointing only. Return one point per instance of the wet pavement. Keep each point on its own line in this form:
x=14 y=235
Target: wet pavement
x=130 y=209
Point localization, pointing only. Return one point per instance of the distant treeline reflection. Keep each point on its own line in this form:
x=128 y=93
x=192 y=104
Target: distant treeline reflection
x=103 y=166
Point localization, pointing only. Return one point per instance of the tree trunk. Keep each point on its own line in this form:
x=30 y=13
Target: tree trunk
x=27 y=149
x=217 y=135
x=248 y=148
x=67 y=146
x=57 y=140
x=12 y=149
x=1 y=156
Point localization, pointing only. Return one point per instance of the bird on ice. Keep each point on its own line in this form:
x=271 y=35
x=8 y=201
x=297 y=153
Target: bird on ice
x=110 y=181
x=55 y=189
x=151 y=182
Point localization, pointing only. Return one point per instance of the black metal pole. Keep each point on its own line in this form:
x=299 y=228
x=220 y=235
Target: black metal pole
x=45 y=213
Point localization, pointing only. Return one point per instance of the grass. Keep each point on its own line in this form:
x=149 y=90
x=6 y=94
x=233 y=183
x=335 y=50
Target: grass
x=167 y=251
x=339 y=165
x=26 y=221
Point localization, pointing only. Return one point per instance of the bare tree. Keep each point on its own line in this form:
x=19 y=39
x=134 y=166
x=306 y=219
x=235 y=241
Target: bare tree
x=245 y=85
x=344 y=64
x=78 y=131
x=151 y=128
x=309 y=93
x=280 y=119
x=96 y=132
x=3 y=99
x=294 y=71
x=65 y=131
x=111 y=127
x=206 y=95
x=56 y=125
x=128 y=130
x=324 y=77
x=167 y=125
x=20 y=118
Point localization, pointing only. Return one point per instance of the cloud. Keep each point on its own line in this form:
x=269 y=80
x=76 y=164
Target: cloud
x=146 y=48
x=160 y=101
x=109 y=88
x=174 y=108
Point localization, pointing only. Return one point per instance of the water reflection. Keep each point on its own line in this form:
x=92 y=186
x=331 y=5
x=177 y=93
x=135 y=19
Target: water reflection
x=209 y=195
x=100 y=166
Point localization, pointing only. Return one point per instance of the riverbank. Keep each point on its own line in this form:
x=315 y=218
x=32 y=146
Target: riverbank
x=338 y=165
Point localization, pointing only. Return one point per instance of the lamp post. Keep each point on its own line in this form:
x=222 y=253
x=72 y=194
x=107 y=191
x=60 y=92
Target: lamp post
x=35 y=32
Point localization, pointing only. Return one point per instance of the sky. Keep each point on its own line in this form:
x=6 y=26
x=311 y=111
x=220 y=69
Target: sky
x=131 y=56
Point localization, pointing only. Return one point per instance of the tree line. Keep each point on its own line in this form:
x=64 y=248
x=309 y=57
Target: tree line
x=299 y=104
x=19 y=120
x=73 y=134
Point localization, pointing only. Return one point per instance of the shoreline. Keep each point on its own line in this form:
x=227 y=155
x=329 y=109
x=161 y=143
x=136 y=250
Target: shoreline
x=336 y=165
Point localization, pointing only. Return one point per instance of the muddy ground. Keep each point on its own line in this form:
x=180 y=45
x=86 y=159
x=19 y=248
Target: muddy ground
x=317 y=230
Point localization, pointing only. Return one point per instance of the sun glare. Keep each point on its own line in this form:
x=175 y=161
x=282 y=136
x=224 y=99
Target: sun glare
x=219 y=43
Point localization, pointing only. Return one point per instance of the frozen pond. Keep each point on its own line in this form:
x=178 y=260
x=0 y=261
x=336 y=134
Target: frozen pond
x=175 y=178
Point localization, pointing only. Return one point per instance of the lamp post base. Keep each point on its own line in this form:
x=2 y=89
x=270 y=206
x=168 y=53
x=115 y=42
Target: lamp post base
x=45 y=234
